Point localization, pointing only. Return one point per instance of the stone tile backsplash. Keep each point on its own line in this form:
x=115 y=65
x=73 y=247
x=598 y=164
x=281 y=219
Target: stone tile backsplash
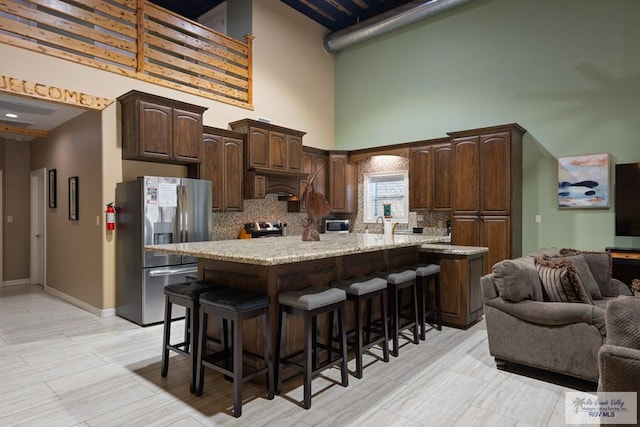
x=227 y=225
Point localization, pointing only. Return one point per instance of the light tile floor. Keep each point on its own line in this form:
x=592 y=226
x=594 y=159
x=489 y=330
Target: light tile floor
x=62 y=366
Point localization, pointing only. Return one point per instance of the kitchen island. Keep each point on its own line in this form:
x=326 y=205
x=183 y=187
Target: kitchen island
x=291 y=249
x=273 y=265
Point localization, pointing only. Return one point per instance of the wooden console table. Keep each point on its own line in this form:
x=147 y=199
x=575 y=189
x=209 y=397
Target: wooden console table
x=625 y=264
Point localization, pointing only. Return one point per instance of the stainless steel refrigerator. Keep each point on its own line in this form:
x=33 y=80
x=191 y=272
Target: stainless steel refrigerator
x=155 y=210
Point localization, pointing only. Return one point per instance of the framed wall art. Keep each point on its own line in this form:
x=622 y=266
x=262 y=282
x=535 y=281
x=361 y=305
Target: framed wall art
x=583 y=181
x=73 y=198
x=53 y=192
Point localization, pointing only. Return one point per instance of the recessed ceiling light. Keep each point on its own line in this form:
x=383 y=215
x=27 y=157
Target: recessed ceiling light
x=12 y=115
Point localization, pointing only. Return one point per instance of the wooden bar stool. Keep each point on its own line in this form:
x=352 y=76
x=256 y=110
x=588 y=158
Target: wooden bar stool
x=310 y=303
x=234 y=305
x=397 y=280
x=360 y=290
x=186 y=295
x=427 y=274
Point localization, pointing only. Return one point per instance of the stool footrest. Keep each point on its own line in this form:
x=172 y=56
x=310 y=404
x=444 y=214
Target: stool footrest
x=178 y=348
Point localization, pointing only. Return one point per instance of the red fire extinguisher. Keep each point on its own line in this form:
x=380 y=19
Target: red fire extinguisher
x=111 y=217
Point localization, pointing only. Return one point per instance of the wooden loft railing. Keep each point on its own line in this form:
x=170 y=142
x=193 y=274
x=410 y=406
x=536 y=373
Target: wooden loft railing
x=134 y=38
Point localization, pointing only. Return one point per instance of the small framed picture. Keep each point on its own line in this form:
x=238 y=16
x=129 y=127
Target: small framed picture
x=583 y=181
x=73 y=198
x=53 y=192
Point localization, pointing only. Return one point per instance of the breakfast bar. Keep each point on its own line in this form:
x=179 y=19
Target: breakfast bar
x=270 y=266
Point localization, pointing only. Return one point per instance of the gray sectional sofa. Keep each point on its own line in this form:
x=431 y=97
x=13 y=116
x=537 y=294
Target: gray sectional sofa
x=619 y=358
x=525 y=327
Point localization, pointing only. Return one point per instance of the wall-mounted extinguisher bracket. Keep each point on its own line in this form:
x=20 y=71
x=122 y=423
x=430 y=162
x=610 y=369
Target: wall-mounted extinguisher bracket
x=111 y=217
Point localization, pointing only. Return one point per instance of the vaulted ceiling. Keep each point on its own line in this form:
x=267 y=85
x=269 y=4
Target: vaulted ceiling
x=333 y=14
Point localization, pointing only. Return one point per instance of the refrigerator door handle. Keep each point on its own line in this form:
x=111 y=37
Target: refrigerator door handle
x=173 y=271
x=179 y=212
x=185 y=214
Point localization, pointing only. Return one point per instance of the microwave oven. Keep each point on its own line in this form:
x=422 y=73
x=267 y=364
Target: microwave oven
x=336 y=226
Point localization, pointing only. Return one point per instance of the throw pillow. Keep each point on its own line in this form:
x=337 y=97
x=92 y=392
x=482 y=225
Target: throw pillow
x=560 y=281
x=584 y=273
x=517 y=280
x=600 y=264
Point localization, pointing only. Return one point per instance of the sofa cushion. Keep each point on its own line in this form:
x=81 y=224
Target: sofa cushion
x=517 y=280
x=622 y=319
x=586 y=277
x=600 y=265
x=560 y=281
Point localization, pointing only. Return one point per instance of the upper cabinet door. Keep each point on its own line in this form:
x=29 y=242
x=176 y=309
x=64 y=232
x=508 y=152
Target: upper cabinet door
x=187 y=136
x=212 y=169
x=442 y=175
x=294 y=153
x=277 y=150
x=495 y=174
x=343 y=181
x=234 y=174
x=258 y=148
x=156 y=131
x=159 y=129
x=466 y=195
x=421 y=178
x=320 y=169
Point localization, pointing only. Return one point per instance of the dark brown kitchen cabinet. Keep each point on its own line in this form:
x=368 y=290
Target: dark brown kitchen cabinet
x=496 y=234
x=487 y=186
x=465 y=230
x=223 y=166
x=343 y=183
x=460 y=292
x=270 y=147
x=314 y=162
x=277 y=150
x=294 y=153
x=255 y=186
x=442 y=171
x=421 y=178
x=466 y=179
x=430 y=177
x=495 y=174
x=160 y=129
x=257 y=149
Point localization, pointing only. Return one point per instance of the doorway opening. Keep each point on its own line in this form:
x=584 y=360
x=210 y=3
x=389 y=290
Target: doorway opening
x=38 y=228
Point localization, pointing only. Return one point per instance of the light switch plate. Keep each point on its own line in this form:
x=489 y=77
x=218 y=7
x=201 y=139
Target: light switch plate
x=538 y=219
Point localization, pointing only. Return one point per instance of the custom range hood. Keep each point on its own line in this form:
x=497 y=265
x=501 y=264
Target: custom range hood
x=272 y=159
x=282 y=183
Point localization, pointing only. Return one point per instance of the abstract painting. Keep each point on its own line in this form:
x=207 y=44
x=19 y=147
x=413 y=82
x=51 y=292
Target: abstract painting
x=583 y=181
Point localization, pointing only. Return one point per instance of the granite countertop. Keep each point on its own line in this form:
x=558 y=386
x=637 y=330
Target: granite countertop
x=283 y=250
x=453 y=249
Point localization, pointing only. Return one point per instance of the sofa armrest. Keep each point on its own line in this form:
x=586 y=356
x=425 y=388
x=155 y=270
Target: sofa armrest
x=552 y=313
x=619 y=369
x=620 y=288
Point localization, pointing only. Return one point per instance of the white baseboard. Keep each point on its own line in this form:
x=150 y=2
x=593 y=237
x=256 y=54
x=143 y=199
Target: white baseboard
x=16 y=282
x=83 y=305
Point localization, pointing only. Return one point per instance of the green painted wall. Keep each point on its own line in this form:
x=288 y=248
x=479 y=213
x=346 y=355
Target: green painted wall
x=566 y=70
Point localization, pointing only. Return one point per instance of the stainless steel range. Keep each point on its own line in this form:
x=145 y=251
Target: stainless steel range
x=265 y=228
